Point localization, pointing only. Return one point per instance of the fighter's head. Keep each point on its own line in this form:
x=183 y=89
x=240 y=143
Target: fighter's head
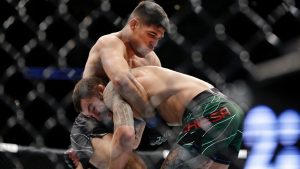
x=148 y=23
x=88 y=98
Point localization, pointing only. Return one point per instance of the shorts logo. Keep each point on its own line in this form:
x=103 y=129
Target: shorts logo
x=192 y=125
x=204 y=122
x=195 y=124
x=219 y=114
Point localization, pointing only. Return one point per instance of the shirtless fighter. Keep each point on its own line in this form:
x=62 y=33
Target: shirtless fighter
x=211 y=122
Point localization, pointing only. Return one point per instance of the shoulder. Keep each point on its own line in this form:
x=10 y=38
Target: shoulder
x=143 y=72
x=109 y=40
x=149 y=69
x=153 y=59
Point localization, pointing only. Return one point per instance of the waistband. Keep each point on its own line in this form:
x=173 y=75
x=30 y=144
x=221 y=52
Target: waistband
x=201 y=96
x=206 y=93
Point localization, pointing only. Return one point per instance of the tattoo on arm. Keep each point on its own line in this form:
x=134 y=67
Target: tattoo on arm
x=139 y=126
x=122 y=112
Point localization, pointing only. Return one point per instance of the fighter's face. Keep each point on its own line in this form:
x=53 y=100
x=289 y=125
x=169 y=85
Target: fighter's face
x=146 y=38
x=94 y=107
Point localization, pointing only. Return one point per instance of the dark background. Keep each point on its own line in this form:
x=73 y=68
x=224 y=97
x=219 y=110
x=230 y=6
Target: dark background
x=250 y=50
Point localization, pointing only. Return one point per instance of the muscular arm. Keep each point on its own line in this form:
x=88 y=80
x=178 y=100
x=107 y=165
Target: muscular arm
x=102 y=149
x=123 y=137
x=113 y=101
x=139 y=126
x=113 y=53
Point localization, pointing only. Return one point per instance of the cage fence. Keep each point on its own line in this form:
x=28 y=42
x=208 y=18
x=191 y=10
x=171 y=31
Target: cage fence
x=44 y=45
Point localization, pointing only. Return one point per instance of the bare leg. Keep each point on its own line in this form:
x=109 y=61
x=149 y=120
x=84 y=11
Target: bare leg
x=180 y=158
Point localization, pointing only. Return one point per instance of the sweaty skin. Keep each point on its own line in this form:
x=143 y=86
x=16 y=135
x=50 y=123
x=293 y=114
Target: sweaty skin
x=115 y=54
x=112 y=47
x=170 y=95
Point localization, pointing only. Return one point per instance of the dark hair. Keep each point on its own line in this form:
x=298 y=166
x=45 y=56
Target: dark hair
x=85 y=88
x=151 y=13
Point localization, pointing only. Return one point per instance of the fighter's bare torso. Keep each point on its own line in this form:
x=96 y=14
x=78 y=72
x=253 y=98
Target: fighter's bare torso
x=94 y=66
x=169 y=91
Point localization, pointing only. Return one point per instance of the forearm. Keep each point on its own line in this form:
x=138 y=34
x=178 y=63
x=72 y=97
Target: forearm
x=135 y=94
x=122 y=115
x=122 y=112
x=122 y=146
x=124 y=136
x=139 y=126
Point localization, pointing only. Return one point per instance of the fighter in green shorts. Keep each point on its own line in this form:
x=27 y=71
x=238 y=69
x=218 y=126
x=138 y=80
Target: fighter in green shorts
x=212 y=127
x=211 y=122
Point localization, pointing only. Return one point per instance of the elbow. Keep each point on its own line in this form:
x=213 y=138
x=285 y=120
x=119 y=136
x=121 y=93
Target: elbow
x=127 y=137
x=122 y=82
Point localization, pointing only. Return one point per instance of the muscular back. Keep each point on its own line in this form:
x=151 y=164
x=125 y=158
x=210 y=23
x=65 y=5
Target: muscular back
x=169 y=91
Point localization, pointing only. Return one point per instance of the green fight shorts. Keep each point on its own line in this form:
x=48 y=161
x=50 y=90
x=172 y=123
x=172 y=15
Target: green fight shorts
x=212 y=126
